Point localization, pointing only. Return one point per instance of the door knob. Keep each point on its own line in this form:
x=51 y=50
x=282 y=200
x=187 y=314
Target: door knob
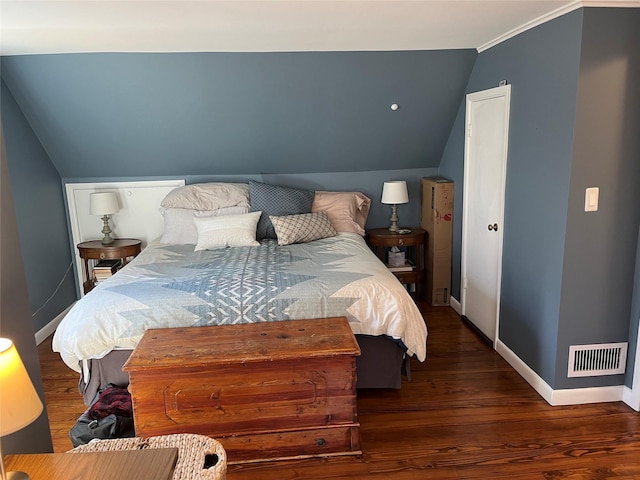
x=493 y=227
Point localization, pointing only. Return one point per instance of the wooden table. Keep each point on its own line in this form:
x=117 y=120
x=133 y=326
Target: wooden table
x=381 y=240
x=147 y=464
x=270 y=390
x=121 y=248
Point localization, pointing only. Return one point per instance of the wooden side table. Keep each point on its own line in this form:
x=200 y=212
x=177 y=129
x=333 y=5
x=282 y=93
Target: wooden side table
x=381 y=240
x=157 y=464
x=121 y=248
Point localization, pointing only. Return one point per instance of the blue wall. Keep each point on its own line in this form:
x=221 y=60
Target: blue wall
x=567 y=276
x=15 y=317
x=132 y=115
x=41 y=217
x=598 y=268
x=542 y=67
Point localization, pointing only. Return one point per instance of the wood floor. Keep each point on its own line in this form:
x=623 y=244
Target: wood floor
x=465 y=415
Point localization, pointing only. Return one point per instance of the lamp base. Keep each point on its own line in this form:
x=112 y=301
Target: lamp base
x=394 y=219
x=18 y=476
x=106 y=229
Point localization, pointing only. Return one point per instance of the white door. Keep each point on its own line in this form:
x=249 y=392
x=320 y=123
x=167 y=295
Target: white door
x=485 y=166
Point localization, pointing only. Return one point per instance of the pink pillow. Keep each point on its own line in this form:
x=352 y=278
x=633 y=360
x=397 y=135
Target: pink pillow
x=348 y=211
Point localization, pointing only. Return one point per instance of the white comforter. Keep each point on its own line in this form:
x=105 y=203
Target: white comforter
x=173 y=286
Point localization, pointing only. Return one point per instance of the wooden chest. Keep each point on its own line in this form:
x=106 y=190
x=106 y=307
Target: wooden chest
x=264 y=391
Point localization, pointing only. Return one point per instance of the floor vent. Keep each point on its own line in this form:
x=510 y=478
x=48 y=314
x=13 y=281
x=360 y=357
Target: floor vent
x=595 y=360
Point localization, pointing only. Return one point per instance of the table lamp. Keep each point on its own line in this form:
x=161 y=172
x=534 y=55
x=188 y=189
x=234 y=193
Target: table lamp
x=394 y=193
x=19 y=402
x=104 y=204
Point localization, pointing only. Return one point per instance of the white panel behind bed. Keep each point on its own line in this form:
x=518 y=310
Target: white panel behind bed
x=139 y=216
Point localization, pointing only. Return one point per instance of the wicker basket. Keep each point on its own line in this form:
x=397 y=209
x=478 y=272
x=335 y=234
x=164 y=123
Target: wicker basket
x=192 y=450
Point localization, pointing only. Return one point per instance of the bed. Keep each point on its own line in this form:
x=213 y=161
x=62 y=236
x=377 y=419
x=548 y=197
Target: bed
x=232 y=277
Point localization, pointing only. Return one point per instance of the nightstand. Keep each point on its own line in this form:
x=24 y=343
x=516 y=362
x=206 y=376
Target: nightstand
x=121 y=248
x=381 y=240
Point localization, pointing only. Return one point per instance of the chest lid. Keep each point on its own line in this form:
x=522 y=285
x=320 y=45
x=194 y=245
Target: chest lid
x=245 y=343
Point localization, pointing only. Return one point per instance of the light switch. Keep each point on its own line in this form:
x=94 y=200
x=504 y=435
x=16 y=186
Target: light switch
x=591 y=199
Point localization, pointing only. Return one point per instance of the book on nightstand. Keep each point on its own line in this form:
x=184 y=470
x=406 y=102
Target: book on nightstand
x=105 y=269
x=407 y=267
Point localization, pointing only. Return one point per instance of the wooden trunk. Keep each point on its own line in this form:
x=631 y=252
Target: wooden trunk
x=265 y=391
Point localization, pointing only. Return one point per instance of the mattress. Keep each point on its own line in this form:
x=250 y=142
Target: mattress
x=173 y=286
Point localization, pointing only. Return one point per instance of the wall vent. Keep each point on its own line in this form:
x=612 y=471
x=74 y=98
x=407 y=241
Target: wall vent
x=595 y=360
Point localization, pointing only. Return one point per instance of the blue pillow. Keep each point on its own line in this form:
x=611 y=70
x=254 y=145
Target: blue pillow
x=277 y=201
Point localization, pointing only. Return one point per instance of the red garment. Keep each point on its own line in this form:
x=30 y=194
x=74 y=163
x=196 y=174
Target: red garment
x=114 y=400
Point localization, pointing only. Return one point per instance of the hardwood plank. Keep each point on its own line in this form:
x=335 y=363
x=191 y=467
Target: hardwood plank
x=63 y=400
x=466 y=414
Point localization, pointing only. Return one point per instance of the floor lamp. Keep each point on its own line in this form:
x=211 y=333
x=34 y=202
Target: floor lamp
x=20 y=404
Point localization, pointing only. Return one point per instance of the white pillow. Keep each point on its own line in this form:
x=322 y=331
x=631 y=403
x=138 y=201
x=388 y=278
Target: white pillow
x=227 y=231
x=208 y=196
x=179 y=227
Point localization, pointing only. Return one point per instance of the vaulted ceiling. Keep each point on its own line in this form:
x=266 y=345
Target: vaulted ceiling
x=59 y=26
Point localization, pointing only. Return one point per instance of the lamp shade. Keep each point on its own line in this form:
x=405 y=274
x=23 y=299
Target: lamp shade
x=103 y=203
x=395 y=192
x=19 y=402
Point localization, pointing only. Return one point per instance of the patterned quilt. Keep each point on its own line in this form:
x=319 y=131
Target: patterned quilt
x=173 y=286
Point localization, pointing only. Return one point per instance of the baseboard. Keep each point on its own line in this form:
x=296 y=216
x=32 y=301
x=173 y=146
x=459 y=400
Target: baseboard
x=455 y=304
x=531 y=377
x=49 y=328
x=575 y=396
x=578 y=396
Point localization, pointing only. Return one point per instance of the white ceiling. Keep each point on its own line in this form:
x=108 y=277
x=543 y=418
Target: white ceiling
x=57 y=26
